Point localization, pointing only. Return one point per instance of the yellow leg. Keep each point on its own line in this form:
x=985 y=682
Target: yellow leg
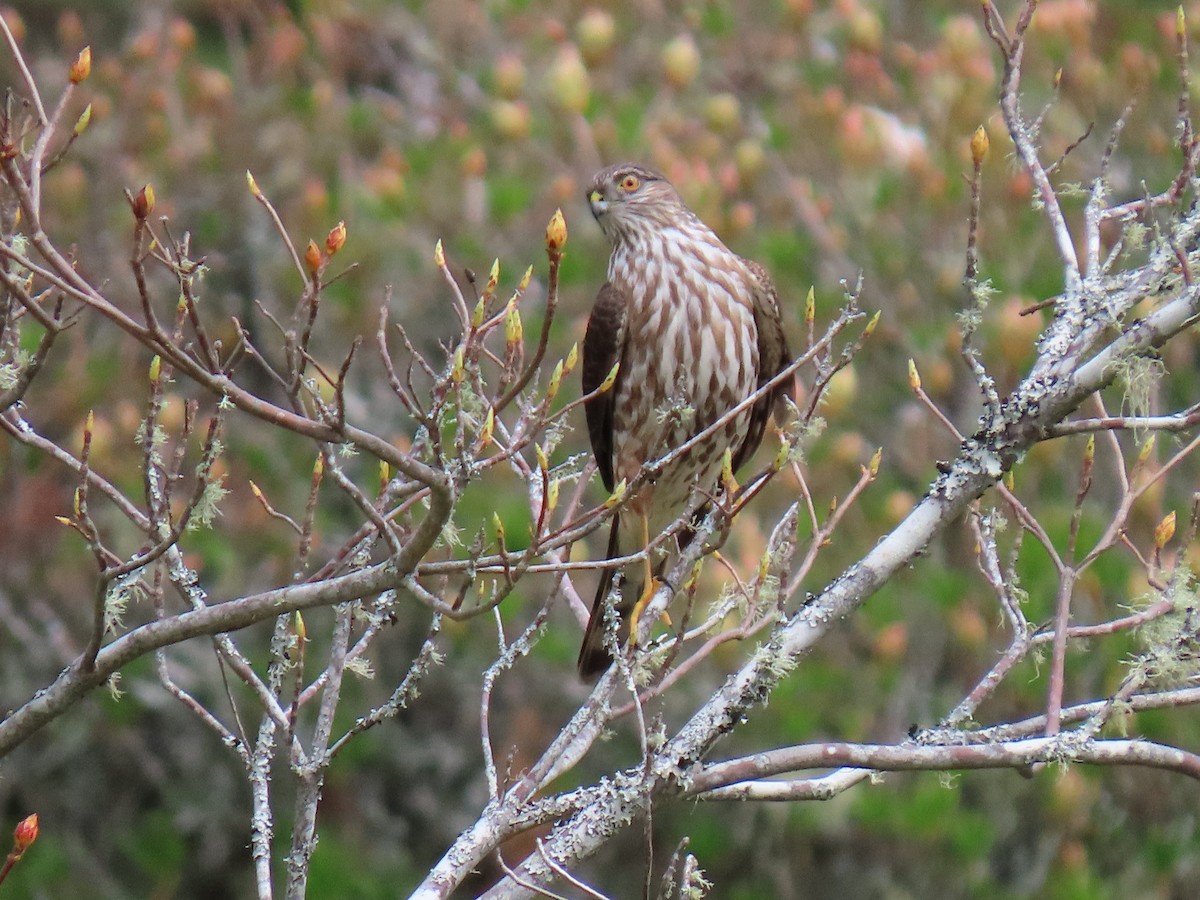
x=727 y=480
x=649 y=584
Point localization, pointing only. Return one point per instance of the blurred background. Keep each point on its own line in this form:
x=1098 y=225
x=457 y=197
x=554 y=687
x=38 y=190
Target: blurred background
x=824 y=139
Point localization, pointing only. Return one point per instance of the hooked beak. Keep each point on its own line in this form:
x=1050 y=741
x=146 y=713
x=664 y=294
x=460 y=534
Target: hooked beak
x=597 y=202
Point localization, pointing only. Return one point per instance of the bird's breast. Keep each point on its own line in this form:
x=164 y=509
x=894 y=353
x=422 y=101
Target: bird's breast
x=691 y=355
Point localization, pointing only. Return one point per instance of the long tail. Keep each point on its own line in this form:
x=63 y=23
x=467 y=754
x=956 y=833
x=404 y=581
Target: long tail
x=594 y=656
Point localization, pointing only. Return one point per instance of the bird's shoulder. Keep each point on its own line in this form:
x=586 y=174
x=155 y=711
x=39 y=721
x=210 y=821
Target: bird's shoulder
x=610 y=307
x=605 y=334
x=774 y=352
x=762 y=283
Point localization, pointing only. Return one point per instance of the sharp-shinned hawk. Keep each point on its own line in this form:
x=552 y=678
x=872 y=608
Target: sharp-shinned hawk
x=696 y=330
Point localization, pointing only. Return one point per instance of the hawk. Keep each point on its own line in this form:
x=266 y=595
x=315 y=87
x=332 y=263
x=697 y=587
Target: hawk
x=696 y=330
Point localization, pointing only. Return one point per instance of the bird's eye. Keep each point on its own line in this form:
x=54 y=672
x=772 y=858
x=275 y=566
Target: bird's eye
x=630 y=183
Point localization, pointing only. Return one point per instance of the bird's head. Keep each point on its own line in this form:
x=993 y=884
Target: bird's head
x=627 y=197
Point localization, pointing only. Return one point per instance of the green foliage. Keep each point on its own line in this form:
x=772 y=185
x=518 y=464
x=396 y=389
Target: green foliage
x=337 y=870
x=156 y=848
x=45 y=869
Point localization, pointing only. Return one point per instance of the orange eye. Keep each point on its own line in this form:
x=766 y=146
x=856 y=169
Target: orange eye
x=630 y=183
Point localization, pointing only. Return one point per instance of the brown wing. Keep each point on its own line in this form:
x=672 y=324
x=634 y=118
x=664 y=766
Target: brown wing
x=602 y=348
x=773 y=355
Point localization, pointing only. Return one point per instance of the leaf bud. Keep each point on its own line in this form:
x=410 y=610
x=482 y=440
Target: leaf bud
x=24 y=835
x=83 y=121
x=312 y=257
x=82 y=67
x=870 y=329
x=1164 y=531
x=143 y=203
x=336 y=238
x=876 y=459
x=617 y=495
x=555 y=381
x=979 y=146
x=610 y=379
x=556 y=233
x=513 y=330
